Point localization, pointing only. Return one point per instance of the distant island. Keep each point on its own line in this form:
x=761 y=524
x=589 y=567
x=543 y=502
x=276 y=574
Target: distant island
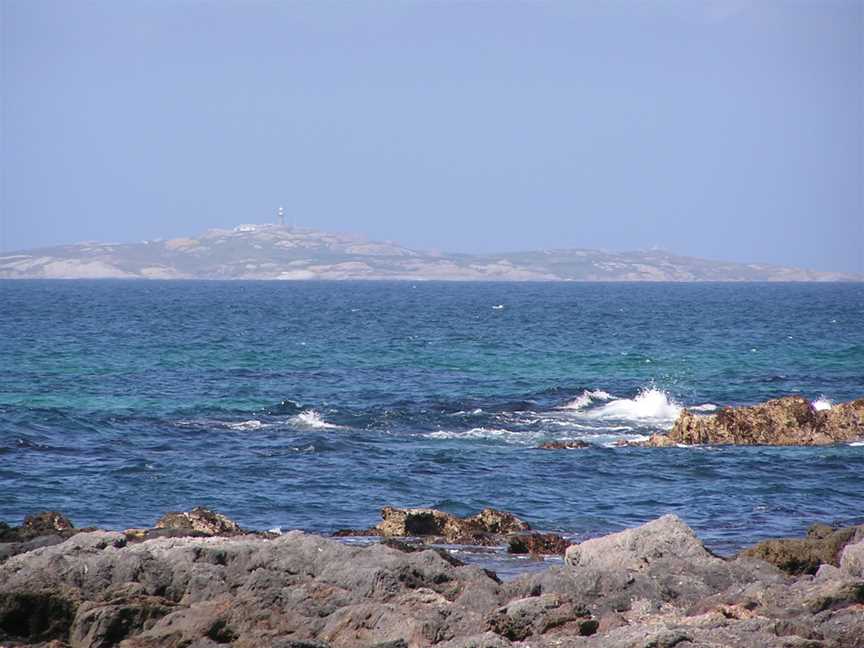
x=290 y=253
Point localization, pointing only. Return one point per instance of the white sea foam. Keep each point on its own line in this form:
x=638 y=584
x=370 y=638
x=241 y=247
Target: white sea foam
x=705 y=407
x=822 y=404
x=312 y=419
x=474 y=412
x=246 y=425
x=500 y=434
x=649 y=405
x=586 y=398
x=498 y=307
x=857 y=443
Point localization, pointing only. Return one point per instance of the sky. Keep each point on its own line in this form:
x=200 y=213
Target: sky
x=728 y=129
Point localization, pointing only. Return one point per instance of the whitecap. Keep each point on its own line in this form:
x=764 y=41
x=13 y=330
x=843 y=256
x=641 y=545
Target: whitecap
x=277 y=530
x=649 y=405
x=821 y=404
x=705 y=407
x=586 y=398
x=246 y=425
x=312 y=419
x=857 y=443
x=474 y=412
x=498 y=307
x=500 y=434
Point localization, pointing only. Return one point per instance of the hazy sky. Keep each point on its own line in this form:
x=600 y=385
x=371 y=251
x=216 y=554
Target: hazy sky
x=726 y=129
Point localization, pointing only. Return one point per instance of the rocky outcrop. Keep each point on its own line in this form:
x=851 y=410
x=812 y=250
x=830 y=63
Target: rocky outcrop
x=791 y=420
x=488 y=527
x=38 y=530
x=655 y=585
x=199 y=521
x=822 y=546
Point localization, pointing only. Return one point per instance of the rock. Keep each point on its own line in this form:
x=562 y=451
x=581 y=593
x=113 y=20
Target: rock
x=791 y=420
x=649 y=568
x=537 y=544
x=822 y=546
x=537 y=615
x=635 y=549
x=655 y=585
x=46 y=523
x=398 y=522
x=96 y=590
x=569 y=444
x=852 y=557
x=199 y=520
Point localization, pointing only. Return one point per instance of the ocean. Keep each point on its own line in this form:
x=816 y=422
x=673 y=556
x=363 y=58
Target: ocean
x=312 y=405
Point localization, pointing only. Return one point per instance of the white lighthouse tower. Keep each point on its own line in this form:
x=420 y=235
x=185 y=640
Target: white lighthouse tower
x=280 y=214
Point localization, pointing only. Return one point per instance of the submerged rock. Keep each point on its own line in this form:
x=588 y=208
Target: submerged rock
x=791 y=420
x=568 y=444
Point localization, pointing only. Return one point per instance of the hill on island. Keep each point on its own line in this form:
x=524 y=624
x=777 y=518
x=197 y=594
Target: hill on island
x=289 y=253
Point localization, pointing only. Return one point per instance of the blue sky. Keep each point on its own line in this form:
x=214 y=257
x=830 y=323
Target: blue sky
x=726 y=129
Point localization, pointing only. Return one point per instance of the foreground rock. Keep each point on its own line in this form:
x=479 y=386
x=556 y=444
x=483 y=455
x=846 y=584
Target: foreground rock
x=785 y=421
x=655 y=585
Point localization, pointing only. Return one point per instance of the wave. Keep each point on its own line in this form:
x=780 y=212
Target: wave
x=705 y=407
x=586 y=398
x=500 y=434
x=312 y=419
x=650 y=404
x=821 y=404
x=253 y=424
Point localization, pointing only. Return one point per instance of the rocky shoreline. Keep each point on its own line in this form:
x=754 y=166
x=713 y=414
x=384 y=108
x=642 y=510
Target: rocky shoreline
x=196 y=579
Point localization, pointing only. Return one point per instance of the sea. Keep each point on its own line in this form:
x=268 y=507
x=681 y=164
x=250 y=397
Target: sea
x=311 y=405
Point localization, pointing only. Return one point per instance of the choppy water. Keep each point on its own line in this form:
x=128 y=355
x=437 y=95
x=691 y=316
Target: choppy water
x=311 y=405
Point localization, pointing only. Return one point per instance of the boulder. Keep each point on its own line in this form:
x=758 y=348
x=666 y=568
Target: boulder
x=659 y=564
x=822 y=546
x=791 y=420
x=636 y=549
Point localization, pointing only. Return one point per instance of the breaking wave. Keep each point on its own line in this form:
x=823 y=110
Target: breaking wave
x=821 y=404
x=650 y=404
x=586 y=398
x=312 y=419
x=254 y=424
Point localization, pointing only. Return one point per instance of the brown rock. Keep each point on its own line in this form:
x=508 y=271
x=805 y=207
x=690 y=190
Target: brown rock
x=199 y=520
x=538 y=544
x=431 y=522
x=569 y=444
x=784 y=421
x=822 y=546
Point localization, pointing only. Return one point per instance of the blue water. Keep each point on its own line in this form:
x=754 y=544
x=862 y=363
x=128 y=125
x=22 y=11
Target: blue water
x=311 y=405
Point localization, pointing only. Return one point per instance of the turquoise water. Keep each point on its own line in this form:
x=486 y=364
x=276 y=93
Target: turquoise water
x=311 y=405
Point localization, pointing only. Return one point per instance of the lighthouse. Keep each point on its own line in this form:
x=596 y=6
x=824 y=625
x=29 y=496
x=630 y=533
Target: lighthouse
x=280 y=214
